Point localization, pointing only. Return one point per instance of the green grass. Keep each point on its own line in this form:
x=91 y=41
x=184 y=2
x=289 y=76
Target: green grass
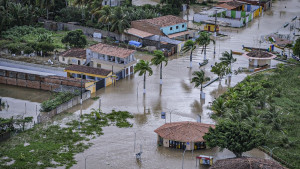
x=53 y=146
x=274 y=98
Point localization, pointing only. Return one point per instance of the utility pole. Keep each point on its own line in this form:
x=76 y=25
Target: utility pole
x=99 y=104
x=81 y=96
x=215 y=34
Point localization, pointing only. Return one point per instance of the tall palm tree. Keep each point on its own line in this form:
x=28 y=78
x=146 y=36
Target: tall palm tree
x=199 y=78
x=119 y=21
x=189 y=45
x=104 y=15
x=204 y=40
x=158 y=60
x=45 y=4
x=143 y=67
x=228 y=59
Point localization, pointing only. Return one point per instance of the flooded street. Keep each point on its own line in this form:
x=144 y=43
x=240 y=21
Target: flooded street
x=115 y=149
x=21 y=101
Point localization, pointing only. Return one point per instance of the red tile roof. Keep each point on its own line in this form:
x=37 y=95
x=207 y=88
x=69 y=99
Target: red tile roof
x=185 y=131
x=87 y=69
x=75 y=52
x=163 y=21
x=230 y=5
x=111 y=50
x=246 y=163
x=138 y=33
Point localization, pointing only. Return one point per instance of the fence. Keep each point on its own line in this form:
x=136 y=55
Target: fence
x=45 y=116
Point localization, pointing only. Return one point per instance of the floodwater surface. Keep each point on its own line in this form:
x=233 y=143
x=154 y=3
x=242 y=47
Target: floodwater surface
x=177 y=97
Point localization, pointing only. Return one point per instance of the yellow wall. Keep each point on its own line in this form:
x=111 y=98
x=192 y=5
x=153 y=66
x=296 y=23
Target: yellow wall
x=90 y=86
x=212 y=28
x=256 y=13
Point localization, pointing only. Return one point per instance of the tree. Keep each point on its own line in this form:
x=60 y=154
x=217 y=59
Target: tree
x=104 y=15
x=289 y=46
x=204 y=40
x=199 y=78
x=143 y=67
x=296 y=48
x=45 y=4
x=220 y=69
x=219 y=107
x=119 y=21
x=158 y=60
x=236 y=137
x=75 y=38
x=228 y=59
x=189 y=45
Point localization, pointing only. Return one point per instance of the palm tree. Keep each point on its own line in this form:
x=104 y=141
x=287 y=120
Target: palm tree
x=199 y=78
x=204 y=40
x=105 y=15
x=189 y=45
x=119 y=21
x=158 y=60
x=45 y=4
x=218 y=106
x=228 y=59
x=143 y=67
x=220 y=69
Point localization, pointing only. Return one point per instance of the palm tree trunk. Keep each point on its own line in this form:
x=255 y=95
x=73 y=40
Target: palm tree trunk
x=204 y=52
x=230 y=70
x=47 y=14
x=161 y=73
x=201 y=91
x=191 y=58
x=144 y=83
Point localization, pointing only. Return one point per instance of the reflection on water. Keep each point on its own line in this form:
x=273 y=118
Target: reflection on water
x=115 y=148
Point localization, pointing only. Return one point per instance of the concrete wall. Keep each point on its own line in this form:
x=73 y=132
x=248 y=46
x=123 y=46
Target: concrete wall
x=59 y=26
x=166 y=142
x=49 y=83
x=45 y=116
x=167 y=30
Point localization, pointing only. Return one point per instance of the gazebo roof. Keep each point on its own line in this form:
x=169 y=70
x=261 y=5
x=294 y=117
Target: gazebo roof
x=246 y=163
x=185 y=131
x=259 y=54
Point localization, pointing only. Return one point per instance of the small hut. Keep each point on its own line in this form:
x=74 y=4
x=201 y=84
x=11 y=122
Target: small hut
x=183 y=135
x=259 y=58
x=246 y=163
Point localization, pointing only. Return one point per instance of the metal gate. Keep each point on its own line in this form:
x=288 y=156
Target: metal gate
x=100 y=84
x=120 y=75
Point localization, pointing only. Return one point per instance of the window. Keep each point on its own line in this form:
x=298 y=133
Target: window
x=63 y=59
x=171 y=28
x=182 y=26
x=177 y=27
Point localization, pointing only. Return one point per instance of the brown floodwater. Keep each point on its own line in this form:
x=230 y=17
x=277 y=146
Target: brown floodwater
x=115 y=149
x=20 y=101
x=177 y=97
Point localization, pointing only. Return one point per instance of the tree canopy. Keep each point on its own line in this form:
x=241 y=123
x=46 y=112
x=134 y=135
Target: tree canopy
x=236 y=137
x=75 y=38
x=296 y=48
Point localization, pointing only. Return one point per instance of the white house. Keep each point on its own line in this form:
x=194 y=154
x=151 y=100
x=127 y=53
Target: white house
x=112 y=58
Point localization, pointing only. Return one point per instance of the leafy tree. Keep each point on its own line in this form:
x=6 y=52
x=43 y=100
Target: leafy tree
x=296 y=48
x=236 y=137
x=220 y=69
x=204 y=40
x=158 y=60
x=189 y=45
x=75 y=39
x=289 y=46
x=143 y=67
x=199 y=78
x=219 y=107
x=227 y=58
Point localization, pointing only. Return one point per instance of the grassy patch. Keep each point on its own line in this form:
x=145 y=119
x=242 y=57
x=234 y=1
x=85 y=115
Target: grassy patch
x=268 y=102
x=53 y=146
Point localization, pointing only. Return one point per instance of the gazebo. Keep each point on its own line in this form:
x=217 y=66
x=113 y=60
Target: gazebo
x=259 y=58
x=246 y=163
x=183 y=135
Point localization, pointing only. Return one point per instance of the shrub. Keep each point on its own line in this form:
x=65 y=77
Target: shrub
x=4 y=43
x=45 y=47
x=28 y=50
x=59 y=98
x=75 y=38
x=15 y=48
